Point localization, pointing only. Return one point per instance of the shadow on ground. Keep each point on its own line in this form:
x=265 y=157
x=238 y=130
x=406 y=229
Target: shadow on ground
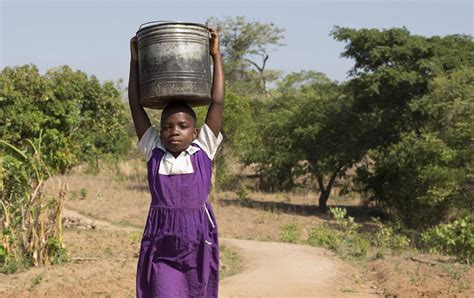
x=360 y=213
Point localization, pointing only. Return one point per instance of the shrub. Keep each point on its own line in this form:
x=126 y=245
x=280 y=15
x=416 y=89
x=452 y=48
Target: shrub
x=346 y=241
x=347 y=225
x=290 y=233
x=324 y=236
x=243 y=194
x=386 y=236
x=28 y=219
x=454 y=238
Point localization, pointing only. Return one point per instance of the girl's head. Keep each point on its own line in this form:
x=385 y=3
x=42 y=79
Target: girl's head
x=178 y=127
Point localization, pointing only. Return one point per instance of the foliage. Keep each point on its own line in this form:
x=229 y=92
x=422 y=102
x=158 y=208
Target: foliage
x=348 y=241
x=309 y=127
x=454 y=238
x=414 y=94
x=414 y=179
x=290 y=233
x=273 y=149
x=30 y=222
x=385 y=236
x=239 y=141
x=243 y=194
x=347 y=225
x=345 y=241
x=350 y=246
x=323 y=235
x=243 y=43
x=81 y=118
x=48 y=124
x=428 y=174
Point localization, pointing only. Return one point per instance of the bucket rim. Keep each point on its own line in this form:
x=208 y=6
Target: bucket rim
x=154 y=24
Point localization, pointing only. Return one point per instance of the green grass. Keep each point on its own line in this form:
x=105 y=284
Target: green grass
x=230 y=261
x=36 y=280
x=290 y=233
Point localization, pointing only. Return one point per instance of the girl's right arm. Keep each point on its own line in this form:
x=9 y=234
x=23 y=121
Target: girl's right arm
x=140 y=117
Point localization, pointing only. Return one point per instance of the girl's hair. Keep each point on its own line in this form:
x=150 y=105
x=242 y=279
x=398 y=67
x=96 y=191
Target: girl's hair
x=176 y=107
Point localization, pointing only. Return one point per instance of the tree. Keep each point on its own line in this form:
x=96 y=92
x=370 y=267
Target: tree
x=242 y=42
x=409 y=91
x=309 y=128
x=391 y=69
x=80 y=118
x=48 y=124
x=237 y=129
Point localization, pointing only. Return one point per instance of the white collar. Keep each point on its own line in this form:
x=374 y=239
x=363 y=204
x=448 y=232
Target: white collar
x=190 y=151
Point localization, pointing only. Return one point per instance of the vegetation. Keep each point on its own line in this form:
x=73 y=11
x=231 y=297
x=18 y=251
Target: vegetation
x=81 y=120
x=399 y=132
x=453 y=238
x=31 y=223
x=48 y=124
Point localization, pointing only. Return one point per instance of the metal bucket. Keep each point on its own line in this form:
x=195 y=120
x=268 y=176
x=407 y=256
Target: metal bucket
x=174 y=64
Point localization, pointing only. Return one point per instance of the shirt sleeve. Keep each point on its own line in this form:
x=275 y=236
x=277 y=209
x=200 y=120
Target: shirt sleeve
x=208 y=141
x=149 y=141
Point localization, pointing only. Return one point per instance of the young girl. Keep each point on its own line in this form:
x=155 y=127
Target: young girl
x=179 y=253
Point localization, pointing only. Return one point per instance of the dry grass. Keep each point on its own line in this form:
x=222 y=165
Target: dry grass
x=121 y=197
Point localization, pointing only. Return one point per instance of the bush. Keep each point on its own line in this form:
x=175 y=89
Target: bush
x=324 y=236
x=385 y=236
x=243 y=194
x=290 y=233
x=454 y=238
x=414 y=180
x=347 y=225
x=28 y=219
x=346 y=241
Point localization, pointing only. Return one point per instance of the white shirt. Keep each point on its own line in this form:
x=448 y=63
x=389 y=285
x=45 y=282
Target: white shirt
x=169 y=165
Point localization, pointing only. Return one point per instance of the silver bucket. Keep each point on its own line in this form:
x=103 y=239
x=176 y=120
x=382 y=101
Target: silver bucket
x=174 y=64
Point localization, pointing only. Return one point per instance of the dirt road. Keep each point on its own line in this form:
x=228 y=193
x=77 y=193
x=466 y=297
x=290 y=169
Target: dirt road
x=271 y=269
x=274 y=269
x=286 y=270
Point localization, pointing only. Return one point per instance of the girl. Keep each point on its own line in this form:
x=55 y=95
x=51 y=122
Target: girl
x=179 y=253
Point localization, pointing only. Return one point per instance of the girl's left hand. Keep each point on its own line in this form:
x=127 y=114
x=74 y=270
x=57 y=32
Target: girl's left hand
x=214 y=42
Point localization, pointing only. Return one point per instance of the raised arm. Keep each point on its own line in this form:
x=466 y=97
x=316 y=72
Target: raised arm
x=140 y=117
x=216 y=109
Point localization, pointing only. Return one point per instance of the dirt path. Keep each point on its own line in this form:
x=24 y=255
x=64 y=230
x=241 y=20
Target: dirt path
x=287 y=270
x=76 y=219
x=274 y=269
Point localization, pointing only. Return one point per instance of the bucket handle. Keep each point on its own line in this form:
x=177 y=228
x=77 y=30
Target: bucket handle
x=154 y=22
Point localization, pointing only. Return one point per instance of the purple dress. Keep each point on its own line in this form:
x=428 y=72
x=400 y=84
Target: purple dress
x=179 y=253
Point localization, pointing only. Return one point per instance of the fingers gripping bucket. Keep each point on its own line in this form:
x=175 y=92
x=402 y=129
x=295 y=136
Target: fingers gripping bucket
x=174 y=64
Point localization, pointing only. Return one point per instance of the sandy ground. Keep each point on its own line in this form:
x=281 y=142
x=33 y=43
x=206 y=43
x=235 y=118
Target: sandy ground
x=104 y=217
x=271 y=269
x=274 y=269
x=288 y=270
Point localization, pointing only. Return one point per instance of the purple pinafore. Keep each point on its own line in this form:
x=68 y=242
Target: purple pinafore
x=179 y=253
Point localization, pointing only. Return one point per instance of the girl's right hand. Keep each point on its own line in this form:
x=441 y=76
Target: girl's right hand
x=134 y=49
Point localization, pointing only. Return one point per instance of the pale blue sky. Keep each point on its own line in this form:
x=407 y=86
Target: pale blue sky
x=93 y=36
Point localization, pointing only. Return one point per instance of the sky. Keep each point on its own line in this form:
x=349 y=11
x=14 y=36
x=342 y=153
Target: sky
x=93 y=36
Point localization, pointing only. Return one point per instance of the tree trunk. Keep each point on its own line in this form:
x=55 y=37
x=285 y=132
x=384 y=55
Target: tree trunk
x=326 y=190
x=323 y=199
x=261 y=70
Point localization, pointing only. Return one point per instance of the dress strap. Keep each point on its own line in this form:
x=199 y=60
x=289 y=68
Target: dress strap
x=208 y=215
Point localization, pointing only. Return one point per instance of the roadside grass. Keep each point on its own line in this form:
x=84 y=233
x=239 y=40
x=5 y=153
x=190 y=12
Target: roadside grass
x=230 y=261
x=283 y=217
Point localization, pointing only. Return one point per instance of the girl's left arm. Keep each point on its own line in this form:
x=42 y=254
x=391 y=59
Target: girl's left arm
x=216 y=109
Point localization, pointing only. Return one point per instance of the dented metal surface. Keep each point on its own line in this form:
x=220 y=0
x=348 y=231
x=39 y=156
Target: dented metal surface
x=174 y=64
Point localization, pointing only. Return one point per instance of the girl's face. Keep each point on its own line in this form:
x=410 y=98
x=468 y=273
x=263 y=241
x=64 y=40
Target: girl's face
x=178 y=131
